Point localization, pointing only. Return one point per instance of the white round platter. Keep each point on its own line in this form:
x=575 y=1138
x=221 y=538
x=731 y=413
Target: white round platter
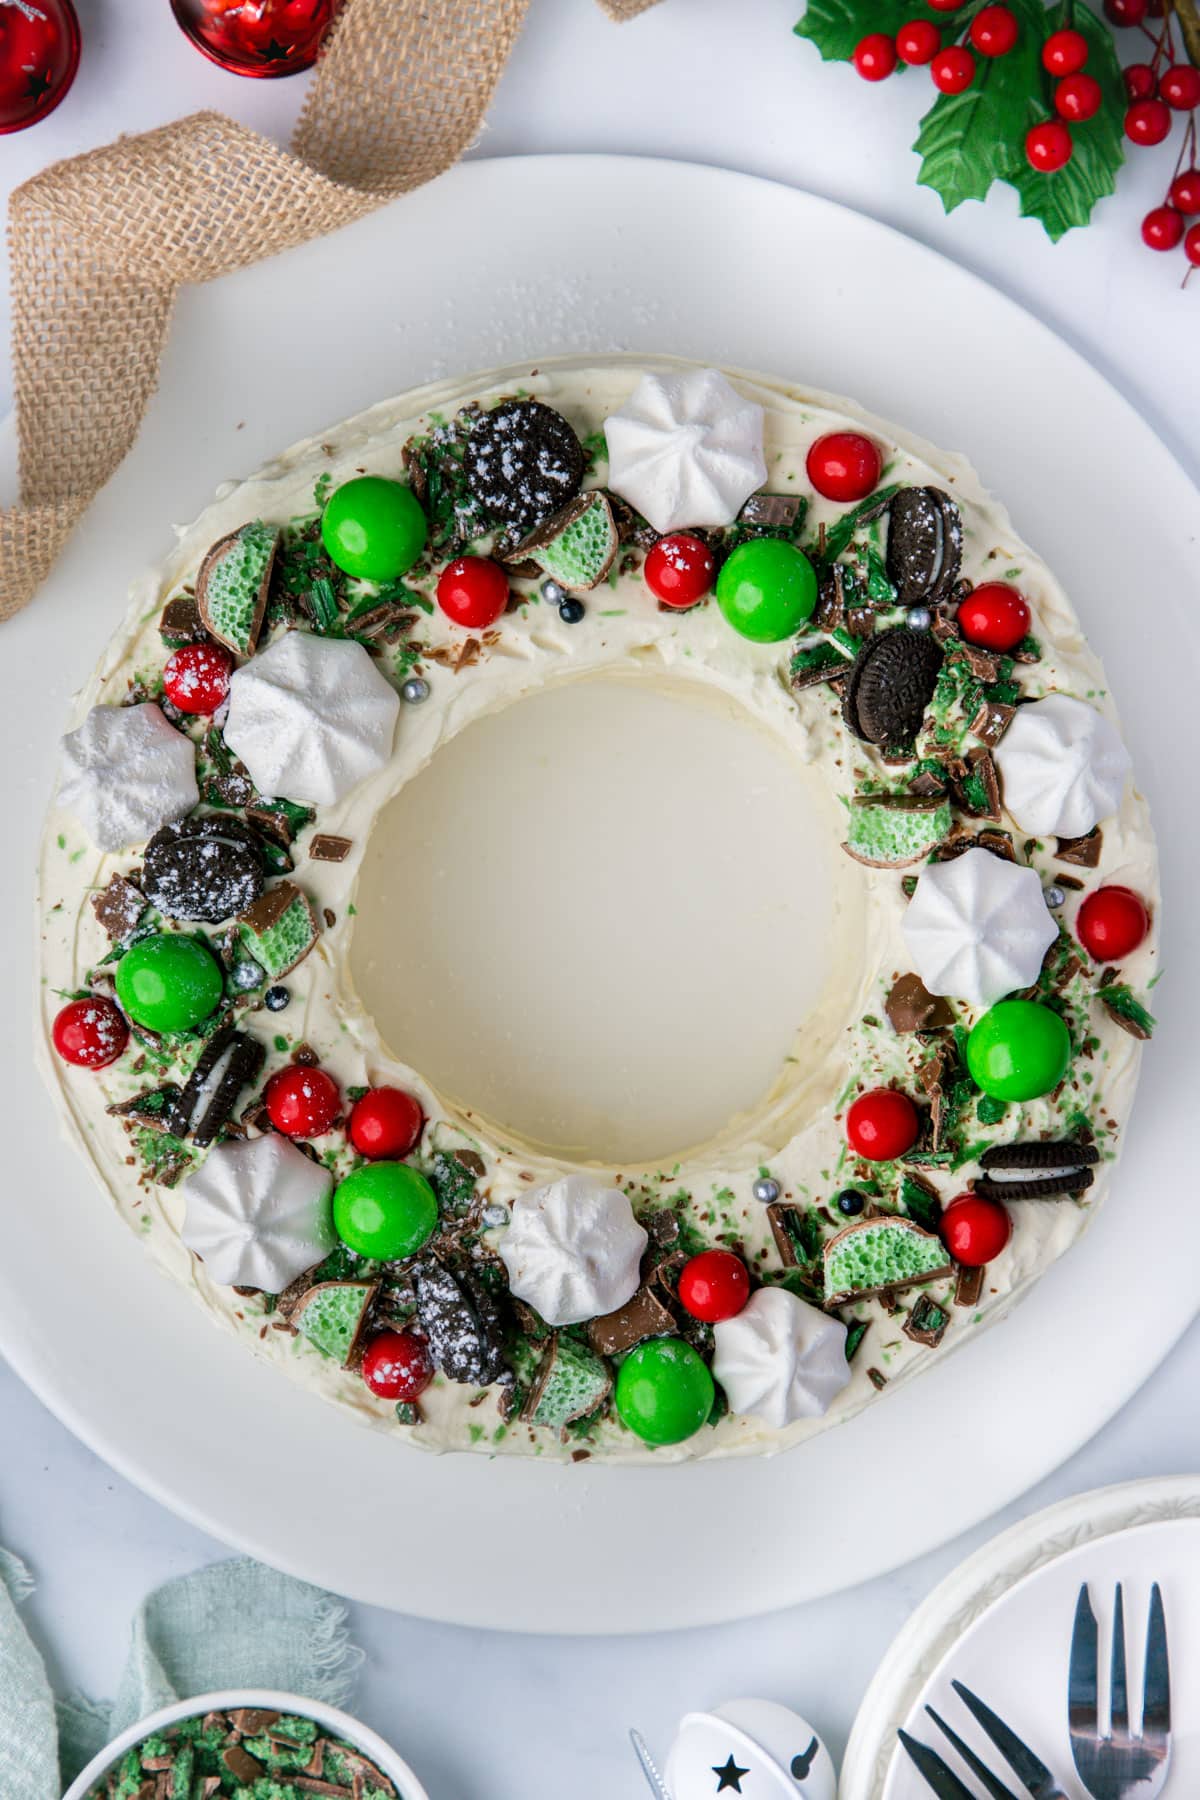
x=1001 y=1623
x=525 y=258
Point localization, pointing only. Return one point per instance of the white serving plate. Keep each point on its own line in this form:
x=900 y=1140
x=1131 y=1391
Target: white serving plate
x=521 y=258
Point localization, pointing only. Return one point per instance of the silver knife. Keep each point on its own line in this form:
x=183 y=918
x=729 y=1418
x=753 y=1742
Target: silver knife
x=655 y=1782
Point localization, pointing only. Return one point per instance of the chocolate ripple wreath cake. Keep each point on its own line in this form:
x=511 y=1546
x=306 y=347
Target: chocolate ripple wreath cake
x=951 y=1119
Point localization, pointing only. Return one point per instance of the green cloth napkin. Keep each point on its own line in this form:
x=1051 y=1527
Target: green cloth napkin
x=235 y=1625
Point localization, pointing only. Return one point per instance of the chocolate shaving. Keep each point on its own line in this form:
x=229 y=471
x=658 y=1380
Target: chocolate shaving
x=327 y=847
x=118 y=907
x=968 y=1285
x=386 y=622
x=1133 y=1026
x=643 y=1317
x=777 y=1217
x=1083 y=851
x=877 y=1378
x=911 y=1007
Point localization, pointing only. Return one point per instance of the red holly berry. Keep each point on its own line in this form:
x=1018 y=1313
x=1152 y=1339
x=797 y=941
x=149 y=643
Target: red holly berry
x=918 y=42
x=1140 y=81
x=196 y=678
x=1064 y=52
x=680 y=569
x=994 y=31
x=994 y=616
x=1191 y=246
x=1162 y=228
x=396 y=1365
x=882 y=1124
x=1179 y=86
x=91 y=1033
x=386 y=1122
x=1048 y=146
x=1147 y=122
x=714 y=1285
x=1125 y=12
x=1185 y=191
x=302 y=1102
x=1078 y=97
x=953 y=69
x=844 y=466
x=473 y=591
x=975 y=1230
x=944 y=5
x=1111 y=923
x=875 y=56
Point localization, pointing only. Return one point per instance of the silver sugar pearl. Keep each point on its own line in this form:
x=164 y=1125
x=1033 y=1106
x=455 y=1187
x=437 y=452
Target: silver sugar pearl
x=766 y=1190
x=1054 y=895
x=415 y=689
x=920 y=618
x=553 y=592
x=495 y=1215
x=245 y=975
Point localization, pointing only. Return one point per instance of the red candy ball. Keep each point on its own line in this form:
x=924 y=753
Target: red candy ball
x=1078 y=98
x=90 y=1033
x=875 y=56
x=1064 y=52
x=844 y=465
x=1048 y=146
x=302 y=1102
x=953 y=69
x=473 y=591
x=1140 y=81
x=1179 y=86
x=714 y=1285
x=196 y=678
x=882 y=1125
x=1147 y=122
x=386 y=1123
x=1162 y=228
x=1185 y=191
x=396 y=1365
x=975 y=1230
x=680 y=569
x=918 y=42
x=994 y=31
x=1111 y=923
x=994 y=616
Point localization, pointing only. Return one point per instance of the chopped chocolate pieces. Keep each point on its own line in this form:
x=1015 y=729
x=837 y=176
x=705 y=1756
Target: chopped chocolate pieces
x=577 y=545
x=911 y=1007
x=231 y=588
x=461 y=1323
x=326 y=847
x=968 y=1285
x=890 y=684
x=977 y=788
x=776 y=512
x=1044 y=1169
x=522 y=462
x=251 y=1720
x=992 y=721
x=205 y=868
x=241 y=1765
x=181 y=622
x=1125 y=1009
x=924 y=545
x=118 y=907
x=926 y=1323
x=1084 y=851
x=332 y=1315
x=151 y=1110
x=280 y=929
x=229 y=1062
x=822 y=662
x=643 y=1317
x=573 y=1383
x=785 y=1242
x=879 y=1256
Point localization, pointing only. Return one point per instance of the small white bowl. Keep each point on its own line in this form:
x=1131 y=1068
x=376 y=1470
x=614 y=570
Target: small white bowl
x=334 y=1723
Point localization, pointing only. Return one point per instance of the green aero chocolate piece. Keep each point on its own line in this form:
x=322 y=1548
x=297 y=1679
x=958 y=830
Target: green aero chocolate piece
x=892 y=837
x=876 y=1256
x=331 y=1316
x=280 y=929
x=578 y=544
x=231 y=588
x=574 y=1383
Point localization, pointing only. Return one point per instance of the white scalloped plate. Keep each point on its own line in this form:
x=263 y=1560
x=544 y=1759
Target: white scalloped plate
x=521 y=258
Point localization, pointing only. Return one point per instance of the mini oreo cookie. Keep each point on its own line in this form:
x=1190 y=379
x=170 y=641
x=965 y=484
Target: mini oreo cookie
x=523 y=462
x=228 y=1062
x=1043 y=1170
x=462 y=1323
x=890 y=684
x=207 y=868
x=924 y=545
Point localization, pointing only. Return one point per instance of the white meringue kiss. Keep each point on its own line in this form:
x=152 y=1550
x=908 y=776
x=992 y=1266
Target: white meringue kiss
x=125 y=772
x=1062 y=767
x=978 y=927
x=780 y=1359
x=573 y=1250
x=686 y=450
x=258 y=1213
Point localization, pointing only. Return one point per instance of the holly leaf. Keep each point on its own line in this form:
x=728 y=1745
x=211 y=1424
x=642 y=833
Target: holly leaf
x=835 y=26
x=966 y=141
x=1066 y=198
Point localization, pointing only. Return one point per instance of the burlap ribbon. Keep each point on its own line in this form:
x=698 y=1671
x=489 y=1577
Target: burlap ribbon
x=101 y=244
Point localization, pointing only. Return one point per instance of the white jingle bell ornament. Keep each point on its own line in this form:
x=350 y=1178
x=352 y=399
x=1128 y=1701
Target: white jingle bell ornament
x=754 y=1748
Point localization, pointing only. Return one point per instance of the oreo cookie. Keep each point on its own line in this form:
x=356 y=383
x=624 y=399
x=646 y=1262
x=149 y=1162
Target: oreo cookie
x=890 y=684
x=462 y=1323
x=205 y=869
x=1044 y=1170
x=523 y=462
x=924 y=545
x=229 y=1061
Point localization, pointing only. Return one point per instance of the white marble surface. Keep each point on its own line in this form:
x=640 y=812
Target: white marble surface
x=704 y=80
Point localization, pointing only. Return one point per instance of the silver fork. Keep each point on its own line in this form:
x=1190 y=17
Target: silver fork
x=1030 y=1770
x=1119 y=1766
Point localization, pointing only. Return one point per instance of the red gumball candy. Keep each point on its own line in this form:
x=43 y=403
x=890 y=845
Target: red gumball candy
x=1179 y=86
x=882 y=1124
x=473 y=591
x=196 y=678
x=1078 y=98
x=994 y=31
x=1111 y=923
x=1185 y=191
x=1162 y=228
x=91 y=1033
x=875 y=56
x=1048 y=146
x=844 y=465
x=1064 y=52
x=302 y=1102
x=953 y=69
x=396 y=1365
x=975 y=1230
x=680 y=569
x=994 y=616
x=918 y=42
x=386 y=1122
x=714 y=1285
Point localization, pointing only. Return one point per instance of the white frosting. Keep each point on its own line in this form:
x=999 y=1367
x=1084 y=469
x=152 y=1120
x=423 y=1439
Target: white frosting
x=311 y=717
x=1062 y=765
x=125 y=773
x=686 y=449
x=978 y=927
x=573 y=1250
x=780 y=1359
x=258 y=1213
x=778 y=1751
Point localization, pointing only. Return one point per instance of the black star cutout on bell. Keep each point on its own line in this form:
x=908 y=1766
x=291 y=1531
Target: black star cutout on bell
x=729 y=1776
x=38 y=85
x=275 y=52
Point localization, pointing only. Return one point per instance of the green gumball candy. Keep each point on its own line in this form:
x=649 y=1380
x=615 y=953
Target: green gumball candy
x=373 y=528
x=169 y=982
x=1019 y=1050
x=766 y=589
x=385 y=1211
x=664 y=1391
